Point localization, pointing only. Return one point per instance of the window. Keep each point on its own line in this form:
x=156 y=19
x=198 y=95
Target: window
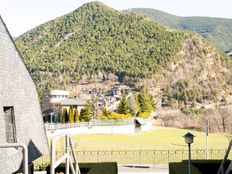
x=9 y=124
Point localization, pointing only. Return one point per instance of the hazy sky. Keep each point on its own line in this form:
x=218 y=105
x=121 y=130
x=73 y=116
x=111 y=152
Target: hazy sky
x=22 y=15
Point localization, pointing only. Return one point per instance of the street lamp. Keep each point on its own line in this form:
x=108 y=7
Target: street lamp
x=189 y=140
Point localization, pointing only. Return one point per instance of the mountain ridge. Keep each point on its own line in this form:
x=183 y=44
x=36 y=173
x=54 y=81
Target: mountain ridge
x=96 y=41
x=216 y=30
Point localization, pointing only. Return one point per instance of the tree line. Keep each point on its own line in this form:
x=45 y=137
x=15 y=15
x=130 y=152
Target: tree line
x=140 y=105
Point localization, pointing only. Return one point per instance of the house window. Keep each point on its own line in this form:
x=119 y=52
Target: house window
x=9 y=124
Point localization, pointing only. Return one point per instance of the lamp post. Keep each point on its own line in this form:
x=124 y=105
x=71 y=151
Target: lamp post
x=189 y=140
x=206 y=137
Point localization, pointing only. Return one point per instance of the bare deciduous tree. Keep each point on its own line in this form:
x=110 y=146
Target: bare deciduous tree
x=221 y=119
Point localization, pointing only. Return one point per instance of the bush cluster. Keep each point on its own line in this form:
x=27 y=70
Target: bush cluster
x=144 y=115
x=116 y=116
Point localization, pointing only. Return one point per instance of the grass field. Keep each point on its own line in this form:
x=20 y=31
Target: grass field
x=158 y=146
x=158 y=139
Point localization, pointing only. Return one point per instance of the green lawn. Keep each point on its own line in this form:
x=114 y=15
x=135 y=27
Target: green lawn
x=159 y=139
x=159 y=146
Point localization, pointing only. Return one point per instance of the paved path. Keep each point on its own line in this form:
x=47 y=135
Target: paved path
x=143 y=169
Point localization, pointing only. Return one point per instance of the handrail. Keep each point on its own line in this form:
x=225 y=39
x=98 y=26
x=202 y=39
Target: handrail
x=25 y=153
x=74 y=157
x=229 y=168
x=73 y=152
x=66 y=157
x=221 y=168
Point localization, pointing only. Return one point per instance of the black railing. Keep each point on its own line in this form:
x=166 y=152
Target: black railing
x=147 y=156
x=142 y=156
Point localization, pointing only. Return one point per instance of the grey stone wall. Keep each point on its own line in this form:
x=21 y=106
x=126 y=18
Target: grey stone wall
x=17 y=89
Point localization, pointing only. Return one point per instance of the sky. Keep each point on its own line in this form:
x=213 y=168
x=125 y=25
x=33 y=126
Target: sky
x=23 y=15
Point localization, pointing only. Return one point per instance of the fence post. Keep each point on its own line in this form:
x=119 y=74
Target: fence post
x=97 y=156
x=126 y=156
x=182 y=154
x=211 y=153
x=154 y=156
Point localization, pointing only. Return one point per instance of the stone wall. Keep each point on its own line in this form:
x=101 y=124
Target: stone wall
x=18 y=90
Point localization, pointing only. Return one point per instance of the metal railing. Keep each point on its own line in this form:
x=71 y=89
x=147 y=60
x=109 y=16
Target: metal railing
x=142 y=156
x=25 y=153
x=56 y=126
x=146 y=156
x=67 y=156
x=221 y=169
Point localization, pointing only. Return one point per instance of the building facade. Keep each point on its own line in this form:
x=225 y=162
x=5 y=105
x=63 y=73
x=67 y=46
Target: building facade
x=55 y=101
x=52 y=97
x=20 y=113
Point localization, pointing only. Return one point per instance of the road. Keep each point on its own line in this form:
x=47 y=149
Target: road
x=143 y=169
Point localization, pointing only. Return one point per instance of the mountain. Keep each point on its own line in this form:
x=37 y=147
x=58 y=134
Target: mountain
x=217 y=30
x=96 y=42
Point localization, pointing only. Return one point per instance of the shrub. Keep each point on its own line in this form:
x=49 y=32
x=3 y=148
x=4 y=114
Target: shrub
x=116 y=116
x=193 y=110
x=144 y=115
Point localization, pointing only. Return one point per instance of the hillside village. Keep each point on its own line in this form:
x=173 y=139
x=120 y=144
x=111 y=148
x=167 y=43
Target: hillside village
x=54 y=99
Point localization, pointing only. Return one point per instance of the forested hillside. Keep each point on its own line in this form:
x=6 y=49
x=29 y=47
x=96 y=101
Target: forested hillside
x=216 y=30
x=95 y=41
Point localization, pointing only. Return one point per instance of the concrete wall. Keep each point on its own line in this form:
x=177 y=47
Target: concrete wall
x=125 y=129
x=146 y=127
x=18 y=90
x=122 y=129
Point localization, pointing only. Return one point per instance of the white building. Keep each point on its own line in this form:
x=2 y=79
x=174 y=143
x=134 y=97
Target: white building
x=54 y=101
x=51 y=97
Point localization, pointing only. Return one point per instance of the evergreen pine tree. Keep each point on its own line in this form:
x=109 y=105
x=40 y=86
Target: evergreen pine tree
x=94 y=105
x=133 y=105
x=153 y=103
x=145 y=101
x=76 y=116
x=123 y=107
x=64 y=116
x=71 y=115
x=86 y=114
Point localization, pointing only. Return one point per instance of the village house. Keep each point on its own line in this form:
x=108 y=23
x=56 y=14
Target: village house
x=54 y=102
